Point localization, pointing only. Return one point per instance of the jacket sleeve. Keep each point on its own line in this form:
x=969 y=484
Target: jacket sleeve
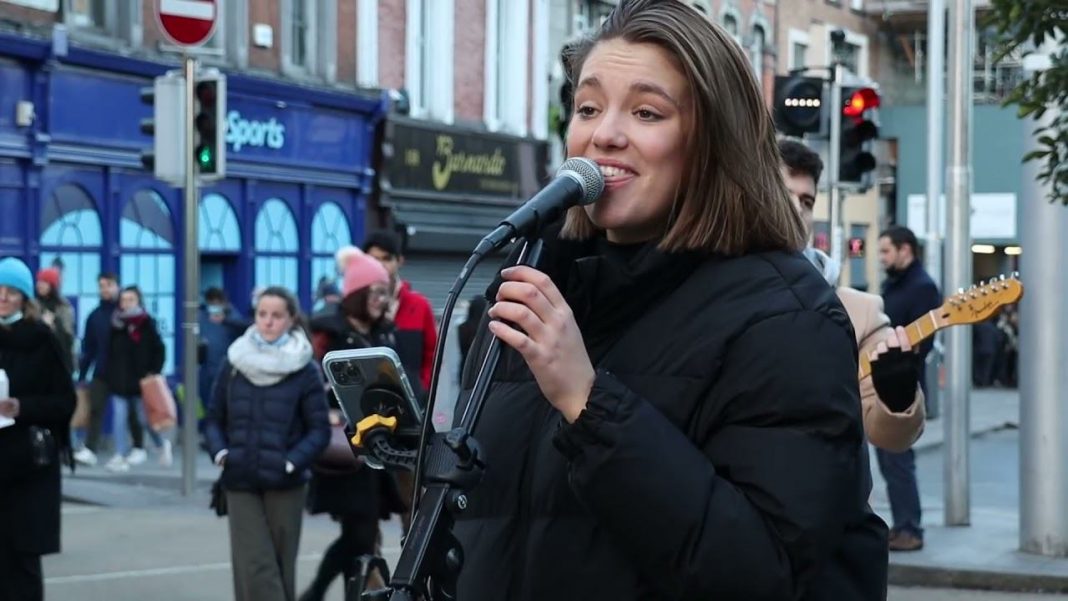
x=156 y=348
x=215 y=423
x=89 y=348
x=53 y=405
x=430 y=343
x=752 y=510
x=885 y=429
x=314 y=413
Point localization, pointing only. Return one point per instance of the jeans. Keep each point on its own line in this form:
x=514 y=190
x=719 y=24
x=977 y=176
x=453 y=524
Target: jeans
x=120 y=415
x=899 y=471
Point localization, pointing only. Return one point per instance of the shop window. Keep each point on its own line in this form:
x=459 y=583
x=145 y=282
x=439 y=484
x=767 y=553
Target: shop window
x=218 y=230
x=147 y=239
x=71 y=239
x=329 y=232
x=276 y=246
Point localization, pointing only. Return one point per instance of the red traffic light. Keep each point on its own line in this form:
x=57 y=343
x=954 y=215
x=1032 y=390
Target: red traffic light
x=862 y=100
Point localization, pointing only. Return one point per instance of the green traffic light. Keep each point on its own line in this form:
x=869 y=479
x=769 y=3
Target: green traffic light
x=205 y=158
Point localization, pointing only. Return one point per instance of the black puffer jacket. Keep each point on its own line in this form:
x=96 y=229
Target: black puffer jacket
x=262 y=427
x=29 y=496
x=721 y=454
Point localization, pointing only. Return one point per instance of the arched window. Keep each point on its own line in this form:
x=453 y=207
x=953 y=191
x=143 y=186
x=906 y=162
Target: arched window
x=756 y=51
x=218 y=230
x=329 y=232
x=147 y=239
x=276 y=246
x=730 y=23
x=71 y=239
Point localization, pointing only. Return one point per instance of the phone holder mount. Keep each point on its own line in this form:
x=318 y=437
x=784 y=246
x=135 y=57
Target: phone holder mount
x=453 y=464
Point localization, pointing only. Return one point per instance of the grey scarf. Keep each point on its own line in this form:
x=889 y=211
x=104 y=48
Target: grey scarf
x=265 y=364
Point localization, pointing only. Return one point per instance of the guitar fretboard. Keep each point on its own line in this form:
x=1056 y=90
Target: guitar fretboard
x=917 y=331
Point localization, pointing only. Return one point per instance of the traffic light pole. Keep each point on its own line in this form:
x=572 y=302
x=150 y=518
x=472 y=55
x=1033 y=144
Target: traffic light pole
x=958 y=274
x=834 y=159
x=190 y=325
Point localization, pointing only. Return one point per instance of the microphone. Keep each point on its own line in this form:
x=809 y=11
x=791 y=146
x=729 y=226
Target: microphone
x=578 y=182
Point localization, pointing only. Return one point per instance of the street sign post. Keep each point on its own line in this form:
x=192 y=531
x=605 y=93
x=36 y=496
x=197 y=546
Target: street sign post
x=189 y=23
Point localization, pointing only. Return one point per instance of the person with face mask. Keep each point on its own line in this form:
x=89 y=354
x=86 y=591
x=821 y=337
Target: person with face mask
x=267 y=424
x=36 y=403
x=892 y=400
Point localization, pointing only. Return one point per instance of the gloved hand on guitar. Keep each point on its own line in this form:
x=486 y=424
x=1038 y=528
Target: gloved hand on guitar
x=895 y=371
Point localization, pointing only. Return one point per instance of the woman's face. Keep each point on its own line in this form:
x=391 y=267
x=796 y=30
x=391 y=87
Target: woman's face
x=272 y=318
x=11 y=301
x=377 y=299
x=128 y=300
x=632 y=109
x=43 y=288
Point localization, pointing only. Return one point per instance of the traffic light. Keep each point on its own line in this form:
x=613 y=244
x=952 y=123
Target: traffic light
x=858 y=130
x=798 y=105
x=209 y=125
x=166 y=159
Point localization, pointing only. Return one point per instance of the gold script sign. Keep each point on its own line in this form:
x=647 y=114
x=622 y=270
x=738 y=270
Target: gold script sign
x=447 y=162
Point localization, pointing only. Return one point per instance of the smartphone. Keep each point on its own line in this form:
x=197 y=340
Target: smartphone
x=372 y=381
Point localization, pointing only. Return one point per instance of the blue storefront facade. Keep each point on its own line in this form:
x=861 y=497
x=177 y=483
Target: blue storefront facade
x=73 y=192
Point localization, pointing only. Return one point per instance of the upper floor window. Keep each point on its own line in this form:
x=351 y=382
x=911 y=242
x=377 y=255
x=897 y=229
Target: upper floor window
x=105 y=20
x=309 y=38
x=756 y=51
x=428 y=60
x=852 y=52
x=731 y=22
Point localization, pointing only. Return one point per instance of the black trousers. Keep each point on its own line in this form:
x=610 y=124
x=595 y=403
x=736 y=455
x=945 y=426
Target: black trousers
x=358 y=537
x=21 y=578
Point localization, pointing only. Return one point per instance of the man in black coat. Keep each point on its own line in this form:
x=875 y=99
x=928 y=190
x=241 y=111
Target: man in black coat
x=908 y=293
x=94 y=357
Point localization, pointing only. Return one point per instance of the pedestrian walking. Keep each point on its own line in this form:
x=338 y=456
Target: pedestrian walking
x=36 y=403
x=56 y=312
x=266 y=425
x=356 y=500
x=135 y=351
x=94 y=360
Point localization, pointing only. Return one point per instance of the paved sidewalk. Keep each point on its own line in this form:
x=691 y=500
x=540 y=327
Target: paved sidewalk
x=984 y=555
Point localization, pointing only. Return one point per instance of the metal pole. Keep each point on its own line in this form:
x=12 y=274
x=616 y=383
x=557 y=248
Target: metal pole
x=834 y=149
x=1043 y=347
x=958 y=264
x=190 y=326
x=936 y=90
x=936 y=23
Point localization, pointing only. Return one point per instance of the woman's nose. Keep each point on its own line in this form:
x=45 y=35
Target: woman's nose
x=608 y=132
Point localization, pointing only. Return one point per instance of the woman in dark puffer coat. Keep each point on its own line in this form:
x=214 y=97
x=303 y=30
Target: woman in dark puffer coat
x=268 y=423
x=40 y=399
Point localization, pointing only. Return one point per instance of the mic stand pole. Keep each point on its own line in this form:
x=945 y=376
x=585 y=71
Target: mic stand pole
x=431 y=558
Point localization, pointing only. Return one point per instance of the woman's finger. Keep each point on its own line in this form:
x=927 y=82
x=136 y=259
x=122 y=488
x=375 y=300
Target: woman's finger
x=528 y=294
x=543 y=282
x=513 y=338
x=520 y=315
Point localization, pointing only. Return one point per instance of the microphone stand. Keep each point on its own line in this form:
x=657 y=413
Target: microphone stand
x=431 y=558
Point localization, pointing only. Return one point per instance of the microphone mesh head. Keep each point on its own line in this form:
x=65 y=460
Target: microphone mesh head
x=589 y=176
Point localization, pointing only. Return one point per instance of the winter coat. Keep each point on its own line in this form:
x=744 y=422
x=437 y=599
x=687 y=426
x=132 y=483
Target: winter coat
x=97 y=341
x=417 y=335
x=721 y=454
x=62 y=325
x=366 y=492
x=130 y=360
x=262 y=427
x=907 y=296
x=885 y=429
x=30 y=497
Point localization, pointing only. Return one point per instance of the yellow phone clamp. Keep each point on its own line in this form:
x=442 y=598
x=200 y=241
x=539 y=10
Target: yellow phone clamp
x=369 y=423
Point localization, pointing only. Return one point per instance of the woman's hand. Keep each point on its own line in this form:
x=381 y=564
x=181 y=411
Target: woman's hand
x=9 y=408
x=546 y=335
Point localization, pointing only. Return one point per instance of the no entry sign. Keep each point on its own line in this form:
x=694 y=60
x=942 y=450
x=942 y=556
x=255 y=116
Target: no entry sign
x=187 y=22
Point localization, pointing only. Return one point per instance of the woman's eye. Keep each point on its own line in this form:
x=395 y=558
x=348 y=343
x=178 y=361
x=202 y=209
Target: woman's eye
x=646 y=115
x=585 y=111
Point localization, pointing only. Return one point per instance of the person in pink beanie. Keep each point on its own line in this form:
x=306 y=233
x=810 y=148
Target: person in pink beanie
x=356 y=500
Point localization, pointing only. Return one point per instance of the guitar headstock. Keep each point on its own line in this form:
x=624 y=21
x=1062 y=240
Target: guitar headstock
x=981 y=301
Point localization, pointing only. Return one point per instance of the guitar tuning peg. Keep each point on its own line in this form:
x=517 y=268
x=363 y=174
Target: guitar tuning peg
x=1016 y=275
x=960 y=290
x=1002 y=278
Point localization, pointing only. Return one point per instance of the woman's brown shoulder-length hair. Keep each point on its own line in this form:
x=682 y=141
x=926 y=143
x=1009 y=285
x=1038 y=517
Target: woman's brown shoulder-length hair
x=732 y=199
